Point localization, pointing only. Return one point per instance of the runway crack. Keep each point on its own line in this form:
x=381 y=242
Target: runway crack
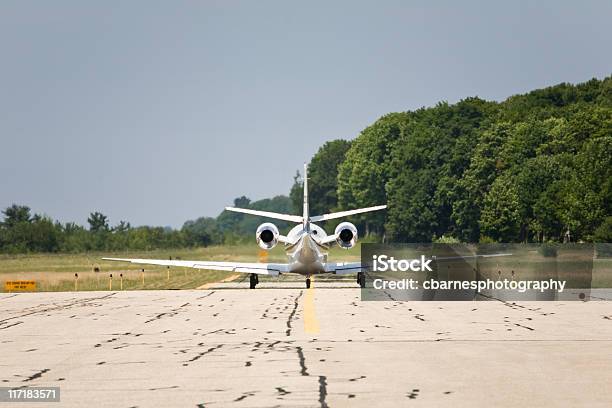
x=282 y=391
x=243 y=396
x=413 y=394
x=171 y=313
x=206 y=295
x=292 y=314
x=323 y=391
x=202 y=354
x=303 y=369
x=524 y=327
x=36 y=375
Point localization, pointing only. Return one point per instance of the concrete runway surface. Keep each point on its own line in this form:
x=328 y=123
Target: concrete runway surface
x=282 y=345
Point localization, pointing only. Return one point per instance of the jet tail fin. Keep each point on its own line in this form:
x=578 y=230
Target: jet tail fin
x=268 y=214
x=305 y=216
x=341 y=214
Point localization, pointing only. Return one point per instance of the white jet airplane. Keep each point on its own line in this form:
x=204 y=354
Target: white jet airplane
x=306 y=246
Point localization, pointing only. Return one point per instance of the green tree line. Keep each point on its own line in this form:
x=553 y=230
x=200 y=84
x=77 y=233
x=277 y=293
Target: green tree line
x=22 y=232
x=536 y=167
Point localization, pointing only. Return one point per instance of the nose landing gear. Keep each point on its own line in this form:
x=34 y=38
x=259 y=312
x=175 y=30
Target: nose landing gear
x=307 y=283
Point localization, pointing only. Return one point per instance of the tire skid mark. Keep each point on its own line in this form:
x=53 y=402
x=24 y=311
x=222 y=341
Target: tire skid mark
x=164 y=388
x=80 y=302
x=8 y=297
x=5 y=325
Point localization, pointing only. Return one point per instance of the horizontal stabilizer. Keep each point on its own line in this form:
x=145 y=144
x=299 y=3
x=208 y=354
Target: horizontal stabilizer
x=268 y=214
x=341 y=214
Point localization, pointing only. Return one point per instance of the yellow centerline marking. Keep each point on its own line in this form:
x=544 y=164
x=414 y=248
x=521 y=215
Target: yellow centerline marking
x=311 y=324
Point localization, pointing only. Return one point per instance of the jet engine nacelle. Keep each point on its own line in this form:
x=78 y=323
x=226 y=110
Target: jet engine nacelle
x=346 y=235
x=267 y=235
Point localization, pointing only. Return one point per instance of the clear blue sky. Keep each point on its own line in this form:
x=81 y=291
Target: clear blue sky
x=159 y=112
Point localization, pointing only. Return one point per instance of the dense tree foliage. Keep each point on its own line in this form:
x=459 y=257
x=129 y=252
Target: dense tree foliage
x=365 y=171
x=534 y=168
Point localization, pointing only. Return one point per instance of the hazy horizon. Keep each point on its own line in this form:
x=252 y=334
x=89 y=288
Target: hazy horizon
x=160 y=112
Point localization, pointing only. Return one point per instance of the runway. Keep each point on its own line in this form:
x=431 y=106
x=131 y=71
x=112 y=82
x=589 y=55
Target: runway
x=282 y=345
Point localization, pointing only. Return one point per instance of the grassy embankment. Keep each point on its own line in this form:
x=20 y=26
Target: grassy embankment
x=55 y=272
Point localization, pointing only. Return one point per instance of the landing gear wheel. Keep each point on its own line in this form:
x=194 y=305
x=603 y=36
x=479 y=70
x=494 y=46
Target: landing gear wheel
x=307 y=283
x=253 y=280
x=361 y=279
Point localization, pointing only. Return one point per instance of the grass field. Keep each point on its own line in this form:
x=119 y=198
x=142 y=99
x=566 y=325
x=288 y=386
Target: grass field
x=56 y=272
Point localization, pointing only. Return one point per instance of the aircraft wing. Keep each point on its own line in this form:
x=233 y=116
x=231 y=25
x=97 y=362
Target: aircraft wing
x=272 y=269
x=344 y=268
